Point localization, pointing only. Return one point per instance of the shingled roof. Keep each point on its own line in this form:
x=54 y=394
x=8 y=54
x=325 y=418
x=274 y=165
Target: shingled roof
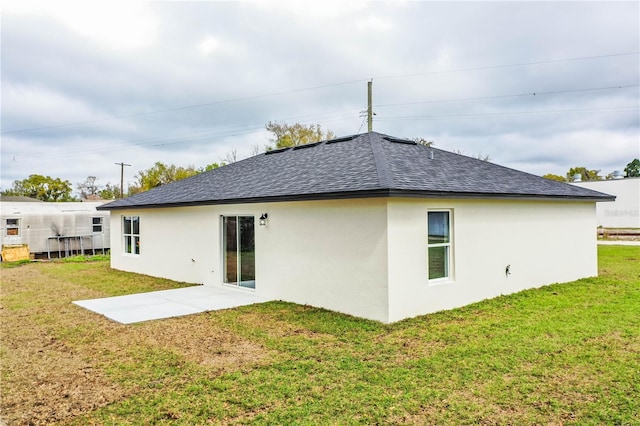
x=366 y=165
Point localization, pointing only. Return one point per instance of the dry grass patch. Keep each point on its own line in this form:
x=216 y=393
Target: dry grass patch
x=60 y=361
x=45 y=380
x=197 y=339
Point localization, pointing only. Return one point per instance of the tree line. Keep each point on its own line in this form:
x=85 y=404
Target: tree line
x=631 y=170
x=46 y=188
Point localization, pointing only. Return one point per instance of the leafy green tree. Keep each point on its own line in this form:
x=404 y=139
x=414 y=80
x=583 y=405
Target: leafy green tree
x=286 y=135
x=160 y=174
x=211 y=166
x=43 y=188
x=633 y=168
x=109 y=192
x=585 y=173
x=555 y=177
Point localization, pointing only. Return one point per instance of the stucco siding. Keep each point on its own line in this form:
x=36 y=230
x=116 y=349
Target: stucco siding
x=330 y=254
x=368 y=257
x=169 y=240
x=543 y=242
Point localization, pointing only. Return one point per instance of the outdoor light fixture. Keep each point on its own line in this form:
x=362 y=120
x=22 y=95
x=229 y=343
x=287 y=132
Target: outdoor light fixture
x=263 y=219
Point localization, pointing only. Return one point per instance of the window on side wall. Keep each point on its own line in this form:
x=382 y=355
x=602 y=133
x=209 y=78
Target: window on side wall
x=439 y=245
x=12 y=227
x=131 y=234
x=96 y=224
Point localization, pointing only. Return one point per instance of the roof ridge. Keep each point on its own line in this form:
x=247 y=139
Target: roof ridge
x=385 y=177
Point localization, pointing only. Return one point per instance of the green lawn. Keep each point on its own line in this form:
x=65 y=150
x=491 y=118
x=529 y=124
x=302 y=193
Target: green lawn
x=562 y=354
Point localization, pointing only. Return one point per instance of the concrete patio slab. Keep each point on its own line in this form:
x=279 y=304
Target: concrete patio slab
x=178 y=302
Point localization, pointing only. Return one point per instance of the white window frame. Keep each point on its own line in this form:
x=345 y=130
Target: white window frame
x=100 y=224
x=449 y=249
x=12 y=226
x=135 y=238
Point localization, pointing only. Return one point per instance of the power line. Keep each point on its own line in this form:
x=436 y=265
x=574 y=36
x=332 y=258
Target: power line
x=119 y=117
x=498 y=114
x=553 y=92
x=192 y=136
x=165 y=141
x=361 y=124
x=522 y=64
x=337 y=115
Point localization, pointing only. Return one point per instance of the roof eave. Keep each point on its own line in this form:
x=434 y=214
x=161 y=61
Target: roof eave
x=375 y=193
x=500 y=196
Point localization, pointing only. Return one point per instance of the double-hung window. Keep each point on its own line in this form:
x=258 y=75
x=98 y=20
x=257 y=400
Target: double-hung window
x=131 y=234
x=96 y=224
x=439 y=244
x=12 y=227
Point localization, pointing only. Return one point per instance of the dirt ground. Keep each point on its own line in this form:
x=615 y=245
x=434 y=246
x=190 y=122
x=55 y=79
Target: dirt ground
x=56 y=357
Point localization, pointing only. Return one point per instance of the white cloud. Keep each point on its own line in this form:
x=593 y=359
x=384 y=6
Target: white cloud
x=41 y=107
x=209 y=45
x=115 y=24
x=373 y=23
x=315 y=10
x=591 y=148
x=199 y=53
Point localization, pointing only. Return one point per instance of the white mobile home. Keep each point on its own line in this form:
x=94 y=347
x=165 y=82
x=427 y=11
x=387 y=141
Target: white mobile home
x=54 y=229
x=625 y=211
x=369 y=225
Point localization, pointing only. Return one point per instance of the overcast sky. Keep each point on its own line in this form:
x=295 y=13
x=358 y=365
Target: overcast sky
x=89 y=84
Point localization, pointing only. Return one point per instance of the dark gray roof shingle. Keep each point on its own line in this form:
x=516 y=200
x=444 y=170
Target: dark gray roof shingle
x=366 y=165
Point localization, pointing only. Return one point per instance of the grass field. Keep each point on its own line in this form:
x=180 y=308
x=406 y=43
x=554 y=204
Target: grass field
x=562 y=354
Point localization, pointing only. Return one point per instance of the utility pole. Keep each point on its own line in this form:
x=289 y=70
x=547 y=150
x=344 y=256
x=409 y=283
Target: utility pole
x=122 y=165
x=369 y=107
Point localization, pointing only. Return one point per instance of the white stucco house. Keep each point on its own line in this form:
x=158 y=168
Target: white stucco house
x=624 y=212
x=368 y=225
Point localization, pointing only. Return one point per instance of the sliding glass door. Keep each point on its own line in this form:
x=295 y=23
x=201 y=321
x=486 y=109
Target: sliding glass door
x=239 y=250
